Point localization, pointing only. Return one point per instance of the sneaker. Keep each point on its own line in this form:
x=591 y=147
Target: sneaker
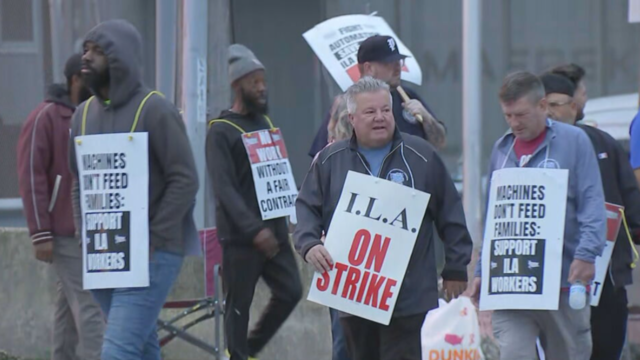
x=228 y=356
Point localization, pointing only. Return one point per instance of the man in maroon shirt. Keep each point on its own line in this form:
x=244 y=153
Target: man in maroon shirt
x=45 y=188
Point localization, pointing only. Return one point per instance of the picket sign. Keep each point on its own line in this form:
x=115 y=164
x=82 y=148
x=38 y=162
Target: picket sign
x=371 y=238
x=113 y=173
x=336 y=42
x=523 y=240
x=272 y=176
x=614 y=220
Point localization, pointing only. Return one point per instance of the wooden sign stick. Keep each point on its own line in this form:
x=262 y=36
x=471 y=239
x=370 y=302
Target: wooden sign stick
x=406 y=99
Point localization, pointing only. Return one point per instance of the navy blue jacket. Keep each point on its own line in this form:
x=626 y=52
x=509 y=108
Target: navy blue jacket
x=620 y=188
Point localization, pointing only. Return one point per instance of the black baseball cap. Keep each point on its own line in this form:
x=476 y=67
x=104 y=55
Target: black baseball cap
x=557 y=84
x=380 y=48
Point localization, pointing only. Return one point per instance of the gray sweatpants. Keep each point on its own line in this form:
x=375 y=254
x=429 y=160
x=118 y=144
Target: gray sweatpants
x=78 y=325
x=565 y=334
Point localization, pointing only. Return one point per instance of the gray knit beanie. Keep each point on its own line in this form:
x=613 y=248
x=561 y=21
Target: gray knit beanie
x=242 y=61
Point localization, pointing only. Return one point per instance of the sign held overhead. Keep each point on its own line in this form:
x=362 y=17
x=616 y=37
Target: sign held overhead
x=336 y=42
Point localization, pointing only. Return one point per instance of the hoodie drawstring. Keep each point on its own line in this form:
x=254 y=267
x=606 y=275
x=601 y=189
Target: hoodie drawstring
x=135 y=119
x=271 y=127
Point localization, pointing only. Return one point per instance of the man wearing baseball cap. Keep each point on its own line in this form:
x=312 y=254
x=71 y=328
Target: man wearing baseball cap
x=380 y=58
x=561 y=104
x=609 y=318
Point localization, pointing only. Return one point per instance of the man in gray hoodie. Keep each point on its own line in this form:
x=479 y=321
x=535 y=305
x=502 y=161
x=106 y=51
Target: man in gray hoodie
x=535 y=141
x=252 y=247
x=112 y=65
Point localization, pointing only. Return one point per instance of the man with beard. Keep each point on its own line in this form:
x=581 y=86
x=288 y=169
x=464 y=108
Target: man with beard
x=252 y=247
x=112 y=65
x=45 y=188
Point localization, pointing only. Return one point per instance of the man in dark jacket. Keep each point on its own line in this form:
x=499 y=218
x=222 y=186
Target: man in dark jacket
x=45 y=188
x=609 y=318
x=378 y=148
x=380 y=58
x=575 y=73
x=112 y=65
x=252 y=247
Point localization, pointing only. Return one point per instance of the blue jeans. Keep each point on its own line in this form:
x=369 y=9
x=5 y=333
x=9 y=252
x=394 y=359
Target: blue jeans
x=131 y=313
x=339 y=341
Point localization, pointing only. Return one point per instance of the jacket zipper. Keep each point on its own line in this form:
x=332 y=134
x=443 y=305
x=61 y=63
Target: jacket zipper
x=381 y=165
x=385 y=159
x=363 y=163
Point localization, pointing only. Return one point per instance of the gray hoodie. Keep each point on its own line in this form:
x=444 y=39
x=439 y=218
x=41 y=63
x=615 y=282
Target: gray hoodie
x=566 y=147
x=173 y=181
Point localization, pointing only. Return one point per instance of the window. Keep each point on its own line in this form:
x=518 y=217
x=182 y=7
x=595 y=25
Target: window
x=16 y=21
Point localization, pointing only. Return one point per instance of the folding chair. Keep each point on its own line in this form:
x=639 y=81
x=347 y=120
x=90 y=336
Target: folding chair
x=210 y=306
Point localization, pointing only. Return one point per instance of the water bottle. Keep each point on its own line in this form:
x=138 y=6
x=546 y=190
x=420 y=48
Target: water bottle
x=577 y=295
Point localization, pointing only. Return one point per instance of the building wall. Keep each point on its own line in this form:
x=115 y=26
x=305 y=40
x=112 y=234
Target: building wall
x=21 y=78
x=516 y=35
x=273 y=30
x=27 y=62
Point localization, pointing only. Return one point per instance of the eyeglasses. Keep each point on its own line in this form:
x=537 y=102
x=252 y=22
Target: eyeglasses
x=558 y=104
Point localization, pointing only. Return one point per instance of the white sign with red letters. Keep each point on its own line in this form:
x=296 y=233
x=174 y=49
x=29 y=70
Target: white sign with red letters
x=272 y=176
x=336 y=42
x=614 y=220
x=371 y=238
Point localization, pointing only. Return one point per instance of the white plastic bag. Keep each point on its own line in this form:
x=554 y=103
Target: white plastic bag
x=452 y=332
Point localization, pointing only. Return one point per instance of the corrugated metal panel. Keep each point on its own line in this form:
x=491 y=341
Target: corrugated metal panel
x=516 y=35
x=22 y=75
x=273 y=30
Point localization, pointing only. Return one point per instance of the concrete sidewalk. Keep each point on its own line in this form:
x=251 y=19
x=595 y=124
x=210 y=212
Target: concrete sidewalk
x=27 y=311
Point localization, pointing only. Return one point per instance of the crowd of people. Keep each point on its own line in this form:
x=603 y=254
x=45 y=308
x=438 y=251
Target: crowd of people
x=371 y=130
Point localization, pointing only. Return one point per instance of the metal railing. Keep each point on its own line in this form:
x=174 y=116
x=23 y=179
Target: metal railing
x=11 y=204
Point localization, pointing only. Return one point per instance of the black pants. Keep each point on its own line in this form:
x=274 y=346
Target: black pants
x=400 y=340
x=609 y=323
x=241 y=268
